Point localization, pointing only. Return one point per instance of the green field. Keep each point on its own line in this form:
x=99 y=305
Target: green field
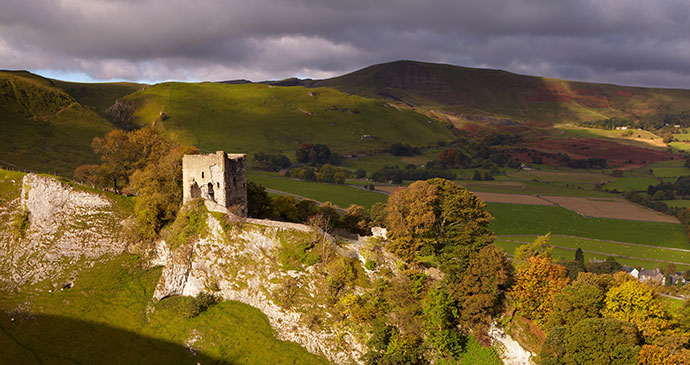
x=564 y=177
x=517 y=219
x=340 y=195
x=671 y=171
x=567 y=254
x=683 y=146
x=678 y=203
x=109 y=316
x=377 y=161
x=534 y=187
x=629 y=183
x=255 y=117
x=682 y=137
x=610 y=248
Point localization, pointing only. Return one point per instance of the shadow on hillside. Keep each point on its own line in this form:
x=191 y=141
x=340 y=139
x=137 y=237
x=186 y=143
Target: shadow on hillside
x=44 y=339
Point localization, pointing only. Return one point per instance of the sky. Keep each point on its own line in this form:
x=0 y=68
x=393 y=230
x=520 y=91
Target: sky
x=629 y=42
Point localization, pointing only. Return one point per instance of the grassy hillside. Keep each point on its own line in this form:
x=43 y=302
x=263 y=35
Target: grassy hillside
x=108 y=314
x=255 y=117
x=461 y=91
x=98 y=96
x=43 y=128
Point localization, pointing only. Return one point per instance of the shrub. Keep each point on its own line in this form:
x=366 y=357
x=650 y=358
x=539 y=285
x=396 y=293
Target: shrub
x=20 y=223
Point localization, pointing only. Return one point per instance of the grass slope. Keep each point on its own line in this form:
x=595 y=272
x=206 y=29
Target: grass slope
x=98 y=96
x=42 y=128
x=255 y=117
x=108 y=314
x=461 y=90
x=519 y=219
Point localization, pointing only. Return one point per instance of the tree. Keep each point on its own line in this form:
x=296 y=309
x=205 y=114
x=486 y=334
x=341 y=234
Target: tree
x=440 y=323
x=657 y=355
x=636 y=303
x=356 y=219
x=330 y=214
x=536 y=284
x=575 y=303
x=573 y=267
x=539 y=248
x=441 y=214
x=285 y=206
x=601 y=341
x=123 y=153
x=360 y=173
x=89 y=174
x=259 y=204
x=377 y=212
x=579 y=255
x=158 y=189
x=480 y=291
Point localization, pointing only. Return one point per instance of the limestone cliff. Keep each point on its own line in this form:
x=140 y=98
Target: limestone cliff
x=66 y=225
x=239 y=262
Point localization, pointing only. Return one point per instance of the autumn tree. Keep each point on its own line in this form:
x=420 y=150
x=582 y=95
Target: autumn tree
x=440 y=214
x=539 y=248
x=536 y=283
x=636 y=303
x=123 y=153
x=157 y=186
x=480 y=291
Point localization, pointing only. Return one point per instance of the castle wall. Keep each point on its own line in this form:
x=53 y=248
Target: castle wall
x=216 y=177
x=236 y=183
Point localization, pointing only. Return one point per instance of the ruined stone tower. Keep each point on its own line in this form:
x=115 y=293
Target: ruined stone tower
x=218 y=178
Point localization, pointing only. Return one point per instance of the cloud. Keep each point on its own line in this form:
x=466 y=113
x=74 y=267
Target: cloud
x=632 y=42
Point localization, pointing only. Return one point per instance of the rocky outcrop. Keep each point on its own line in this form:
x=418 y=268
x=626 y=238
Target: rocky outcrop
x=67 y=224
x=240 y=264
x=122 y=114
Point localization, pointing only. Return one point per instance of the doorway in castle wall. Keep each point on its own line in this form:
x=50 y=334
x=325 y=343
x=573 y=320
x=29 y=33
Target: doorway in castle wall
x=195 y=191
x=210 y=192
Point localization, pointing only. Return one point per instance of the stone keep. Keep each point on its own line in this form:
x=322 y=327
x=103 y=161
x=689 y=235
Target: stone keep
x=217 y=177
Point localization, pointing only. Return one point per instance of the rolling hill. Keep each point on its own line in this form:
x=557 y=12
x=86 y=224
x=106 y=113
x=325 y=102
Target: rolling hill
x=256 y=117
x=42 y=127
x=459 y=93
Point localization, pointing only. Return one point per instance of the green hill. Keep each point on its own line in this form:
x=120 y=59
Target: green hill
x=98 y=96
x=462 y=91
x=256 y=117
x=42 y=127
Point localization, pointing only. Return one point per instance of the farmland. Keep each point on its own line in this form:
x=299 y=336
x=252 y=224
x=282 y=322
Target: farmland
x=513 y=219
x=627 y=254
x=340 y=195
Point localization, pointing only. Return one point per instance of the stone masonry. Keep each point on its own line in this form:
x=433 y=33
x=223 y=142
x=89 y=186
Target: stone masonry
x=217 y=177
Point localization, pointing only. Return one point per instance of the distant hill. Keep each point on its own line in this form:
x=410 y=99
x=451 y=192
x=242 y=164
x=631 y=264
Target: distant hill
x=258 y=117
x=462 y=91
x=42 y=127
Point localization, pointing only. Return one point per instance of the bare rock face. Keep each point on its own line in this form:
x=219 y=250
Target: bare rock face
x=66 y=224
x=240 y=265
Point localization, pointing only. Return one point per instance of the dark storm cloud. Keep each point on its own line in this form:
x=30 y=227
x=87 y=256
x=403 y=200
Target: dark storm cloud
x=632 y=42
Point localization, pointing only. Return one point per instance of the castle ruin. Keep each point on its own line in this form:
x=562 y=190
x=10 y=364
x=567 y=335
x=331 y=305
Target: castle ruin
x=218 y=178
